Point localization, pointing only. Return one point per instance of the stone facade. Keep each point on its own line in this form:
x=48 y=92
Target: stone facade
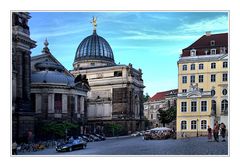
x=22 y=116
x=56 y=94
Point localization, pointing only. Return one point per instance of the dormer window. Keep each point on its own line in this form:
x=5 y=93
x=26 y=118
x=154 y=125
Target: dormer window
x=222 y=50
x=212 y=43
x=213 y=51
x=193 y=52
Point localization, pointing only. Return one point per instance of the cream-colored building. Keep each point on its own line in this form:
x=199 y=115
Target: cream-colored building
x=161 y=100
x=203 y=85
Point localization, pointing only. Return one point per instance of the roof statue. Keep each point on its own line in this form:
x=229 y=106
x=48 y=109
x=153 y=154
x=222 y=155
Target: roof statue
x=94 y=23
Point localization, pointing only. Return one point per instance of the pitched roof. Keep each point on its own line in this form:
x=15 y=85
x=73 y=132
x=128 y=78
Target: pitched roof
x=162 y=95
x=204 y=41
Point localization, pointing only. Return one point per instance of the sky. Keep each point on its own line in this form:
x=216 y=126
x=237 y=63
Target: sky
x=152 y=41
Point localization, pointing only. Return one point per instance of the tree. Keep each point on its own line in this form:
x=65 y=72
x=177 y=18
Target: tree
x=167 y=116
x=146 y=97
x=58 y=129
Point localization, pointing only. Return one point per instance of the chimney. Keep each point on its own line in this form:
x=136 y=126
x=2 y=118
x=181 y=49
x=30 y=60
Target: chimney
x=208 y=33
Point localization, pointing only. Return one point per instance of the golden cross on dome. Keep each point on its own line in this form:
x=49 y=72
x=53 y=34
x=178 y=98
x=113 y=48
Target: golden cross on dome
x=94 y=22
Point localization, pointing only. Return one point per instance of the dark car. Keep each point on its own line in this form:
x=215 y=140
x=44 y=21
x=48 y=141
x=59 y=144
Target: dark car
x=100 y=136
x=71 y=145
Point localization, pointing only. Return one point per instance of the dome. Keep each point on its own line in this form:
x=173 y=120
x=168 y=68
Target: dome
x=94 y=48
x=49 y=72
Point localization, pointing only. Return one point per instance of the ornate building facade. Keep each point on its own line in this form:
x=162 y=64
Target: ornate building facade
x=116 y=95
x=161 y=100
x=22 y=115
x=56 y=95
x=203 y=85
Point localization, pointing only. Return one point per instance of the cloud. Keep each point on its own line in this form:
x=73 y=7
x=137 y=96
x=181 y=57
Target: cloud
x=218 y=24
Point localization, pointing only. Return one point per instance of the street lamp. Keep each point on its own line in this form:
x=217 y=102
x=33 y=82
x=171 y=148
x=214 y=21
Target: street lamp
x=197 y=127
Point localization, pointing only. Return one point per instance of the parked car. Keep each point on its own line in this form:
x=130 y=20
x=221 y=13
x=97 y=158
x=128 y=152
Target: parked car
x=85 y=138
x=101 y=137
x=158 y=133
x=71 y=145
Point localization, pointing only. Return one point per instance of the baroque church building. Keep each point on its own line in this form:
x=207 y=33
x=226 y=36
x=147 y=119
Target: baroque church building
x=116 y=95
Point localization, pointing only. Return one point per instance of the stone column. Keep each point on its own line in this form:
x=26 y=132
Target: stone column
x=64 y=103
x=38 y=103
x=82 y=105
x=51 y=103
x=26 y=75
x=19 y=73
x=75 y=104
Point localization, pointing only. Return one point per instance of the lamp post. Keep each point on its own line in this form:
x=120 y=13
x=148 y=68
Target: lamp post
x=197 y=127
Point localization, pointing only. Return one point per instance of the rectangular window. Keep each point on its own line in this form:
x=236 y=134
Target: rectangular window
x=183 y=125
x=184 y=91
x=192 y=66
x=203 y=124
x=184 y=79
x=200 y=66
x=201 y=89
x=213 y=51
x=225 y=64
x=193 y=106
x=193 y=79
x=183 y=106
x=117 y=73
x=213 y=65
x=204 y=106
x=225 y=77
x=193 y=124
x=184 y=67
x=200 y=78
x=58 y=103
x=213 y=78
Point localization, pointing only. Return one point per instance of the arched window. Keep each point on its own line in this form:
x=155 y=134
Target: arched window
x=213 y=92
x=224 y=106
x=183 y=125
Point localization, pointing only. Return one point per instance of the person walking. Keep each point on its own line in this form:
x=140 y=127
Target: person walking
x=223 y=131
x=216 y=131
x=209 y=133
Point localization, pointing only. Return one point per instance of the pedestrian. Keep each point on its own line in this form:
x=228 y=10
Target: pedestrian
x=14 y=148
x=209 y=133
x=216 y=131
x=223 y=131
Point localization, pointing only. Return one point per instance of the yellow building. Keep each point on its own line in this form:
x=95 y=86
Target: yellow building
x=203 y=85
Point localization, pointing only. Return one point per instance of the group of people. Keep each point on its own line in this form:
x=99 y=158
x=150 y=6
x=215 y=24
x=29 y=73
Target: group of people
x=215 y=132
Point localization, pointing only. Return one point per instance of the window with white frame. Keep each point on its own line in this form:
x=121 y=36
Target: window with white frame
x=224 y=106
x=193 y=124
x=200 y=78
x=184 y=67
x=212 y=43
x=192 y=78
x=183 y=125
x=193 y=52
x=193 y=106
x=203 y=106
x=183 y=106
x=192 y=66
x=200 y=66
x=213 y=65
x=213 y=51
x=203 y=124
x=225 y=64
x=225 y=77
x=184 y=79
x=213 y=77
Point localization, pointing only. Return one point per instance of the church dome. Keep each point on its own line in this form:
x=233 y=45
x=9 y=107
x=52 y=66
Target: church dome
x=94 y=47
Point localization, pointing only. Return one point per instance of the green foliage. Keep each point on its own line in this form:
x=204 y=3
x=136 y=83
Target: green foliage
x=113 y=130
x=58 y=128
x=167 y=116
x=146 y=97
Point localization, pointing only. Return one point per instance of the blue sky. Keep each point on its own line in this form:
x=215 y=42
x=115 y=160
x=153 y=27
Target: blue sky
x=151 y=41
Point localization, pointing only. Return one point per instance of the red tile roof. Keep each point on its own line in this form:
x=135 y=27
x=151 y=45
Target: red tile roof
x=162 y=95
x=221 y=40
